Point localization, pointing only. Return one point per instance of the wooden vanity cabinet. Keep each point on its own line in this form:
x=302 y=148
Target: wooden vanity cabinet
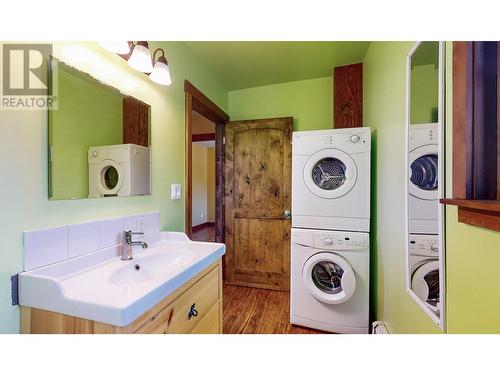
x=195 y=307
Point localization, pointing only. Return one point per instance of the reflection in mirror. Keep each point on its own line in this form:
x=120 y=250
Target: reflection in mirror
x=425 y=281
x=99 y=139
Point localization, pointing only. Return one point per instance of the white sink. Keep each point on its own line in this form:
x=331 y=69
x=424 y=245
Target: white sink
x=101 y=287
x=148 y=266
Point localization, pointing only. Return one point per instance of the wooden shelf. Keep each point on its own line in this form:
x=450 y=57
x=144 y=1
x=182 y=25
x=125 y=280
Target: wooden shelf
x=484 y=205
x=481 y=213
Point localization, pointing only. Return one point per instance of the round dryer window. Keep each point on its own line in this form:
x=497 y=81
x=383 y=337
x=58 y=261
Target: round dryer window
x=424 y=172
x=330 y=173
x=329 y=278
x=110 y=177
x=425 y=284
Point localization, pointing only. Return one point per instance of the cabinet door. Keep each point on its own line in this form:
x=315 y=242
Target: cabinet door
x=210 y=323
x=190 y=309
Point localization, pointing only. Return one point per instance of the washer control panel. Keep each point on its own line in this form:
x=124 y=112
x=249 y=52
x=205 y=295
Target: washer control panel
x=424 y=244
x=338 y=240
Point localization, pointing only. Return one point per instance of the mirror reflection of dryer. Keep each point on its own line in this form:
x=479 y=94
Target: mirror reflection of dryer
x=119 y=170
x=330 y=280
x=424 y=269
x=424 y=172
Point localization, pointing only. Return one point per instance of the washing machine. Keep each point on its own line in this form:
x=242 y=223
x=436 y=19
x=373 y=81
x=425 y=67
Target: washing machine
x=330 y=280
x=331 y=179
x=119 y=170
x=424 y=173
x=424 y=268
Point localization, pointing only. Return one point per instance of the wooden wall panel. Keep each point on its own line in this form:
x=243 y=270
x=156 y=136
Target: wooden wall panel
x=348 y=96
x=135 y=122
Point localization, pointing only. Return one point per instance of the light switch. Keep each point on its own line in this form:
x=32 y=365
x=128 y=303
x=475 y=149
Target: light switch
x=140 y=224
x=175 y=191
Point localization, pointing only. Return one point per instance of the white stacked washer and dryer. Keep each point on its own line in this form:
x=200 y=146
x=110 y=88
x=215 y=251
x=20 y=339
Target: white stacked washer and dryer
x=423 y=211
x=330 y=257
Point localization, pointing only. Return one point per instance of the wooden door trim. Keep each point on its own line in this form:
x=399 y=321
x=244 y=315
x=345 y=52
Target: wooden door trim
x=196 y=100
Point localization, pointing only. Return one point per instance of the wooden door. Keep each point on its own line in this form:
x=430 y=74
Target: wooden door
x=258 y=162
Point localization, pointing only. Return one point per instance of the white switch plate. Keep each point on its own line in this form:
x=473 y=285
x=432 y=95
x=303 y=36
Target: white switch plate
x=175 y=191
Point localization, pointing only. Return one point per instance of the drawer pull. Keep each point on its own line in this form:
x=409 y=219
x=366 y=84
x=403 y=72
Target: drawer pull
x=192 y=311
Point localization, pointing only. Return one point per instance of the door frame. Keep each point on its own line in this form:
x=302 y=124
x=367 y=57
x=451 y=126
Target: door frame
x=196 y=100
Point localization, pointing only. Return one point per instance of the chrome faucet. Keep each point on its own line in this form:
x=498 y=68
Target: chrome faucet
x=127 y=244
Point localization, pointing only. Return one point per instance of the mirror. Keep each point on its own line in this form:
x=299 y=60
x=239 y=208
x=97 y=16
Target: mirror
x=424 y=178
x=99 y=138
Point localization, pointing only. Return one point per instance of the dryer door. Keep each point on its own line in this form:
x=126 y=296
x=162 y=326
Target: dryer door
x=425 y=284
x=330 y=173
x=424 y=172
x=329 y=278
x=110 y=177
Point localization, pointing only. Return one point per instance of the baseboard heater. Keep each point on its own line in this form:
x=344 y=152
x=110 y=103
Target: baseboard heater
x=379 y=327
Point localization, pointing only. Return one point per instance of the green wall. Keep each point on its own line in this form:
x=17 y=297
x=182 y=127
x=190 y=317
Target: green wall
x=23 y=155
x=88 y=114
x=384 y=75
x=424 y=94
x=310 y=102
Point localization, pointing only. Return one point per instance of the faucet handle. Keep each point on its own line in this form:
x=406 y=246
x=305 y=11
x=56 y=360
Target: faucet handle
x=130 y=233
x=127 y=235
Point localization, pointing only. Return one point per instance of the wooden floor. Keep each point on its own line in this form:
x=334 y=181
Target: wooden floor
x=252 y=310
x=205 y=234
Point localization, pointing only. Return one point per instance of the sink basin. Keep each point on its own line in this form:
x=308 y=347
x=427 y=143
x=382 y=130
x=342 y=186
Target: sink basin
x=100 y=286
x=150 y=266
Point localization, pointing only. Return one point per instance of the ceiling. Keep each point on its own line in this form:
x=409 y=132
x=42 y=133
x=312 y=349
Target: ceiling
x=241 y=65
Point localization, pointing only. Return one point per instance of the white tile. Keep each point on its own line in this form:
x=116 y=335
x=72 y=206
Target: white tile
x=45 y=246
x=130 y=223
x=110 y=232
x=151 y=222
x=83 y=238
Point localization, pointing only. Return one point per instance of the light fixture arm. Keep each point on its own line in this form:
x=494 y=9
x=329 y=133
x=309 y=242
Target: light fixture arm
x=161 y=58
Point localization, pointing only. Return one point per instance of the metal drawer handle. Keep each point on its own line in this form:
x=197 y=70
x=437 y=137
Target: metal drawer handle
x=192 y=311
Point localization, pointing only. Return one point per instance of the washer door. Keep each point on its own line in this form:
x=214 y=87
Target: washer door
x=329 y=278
x=424 y=172
x=425 y=284
x=330 y=173
x=110 y=178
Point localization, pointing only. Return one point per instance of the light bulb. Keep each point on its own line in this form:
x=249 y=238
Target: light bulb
x=161 y=72
x=141 y=58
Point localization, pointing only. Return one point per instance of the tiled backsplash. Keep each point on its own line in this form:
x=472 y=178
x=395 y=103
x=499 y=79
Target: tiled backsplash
x=50 y=245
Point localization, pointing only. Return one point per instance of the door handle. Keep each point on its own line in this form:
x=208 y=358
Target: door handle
x=287 y=214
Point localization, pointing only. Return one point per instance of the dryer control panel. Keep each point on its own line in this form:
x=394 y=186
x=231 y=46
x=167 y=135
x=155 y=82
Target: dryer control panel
x=350 y=140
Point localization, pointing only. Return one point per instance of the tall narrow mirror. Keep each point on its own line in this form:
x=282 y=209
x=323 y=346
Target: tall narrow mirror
x=424 y=180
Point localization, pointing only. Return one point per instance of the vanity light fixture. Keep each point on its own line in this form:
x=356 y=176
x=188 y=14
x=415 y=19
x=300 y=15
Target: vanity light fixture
x=140 y=59
x=161 y=71
x=121 y=48
x=138 y=56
